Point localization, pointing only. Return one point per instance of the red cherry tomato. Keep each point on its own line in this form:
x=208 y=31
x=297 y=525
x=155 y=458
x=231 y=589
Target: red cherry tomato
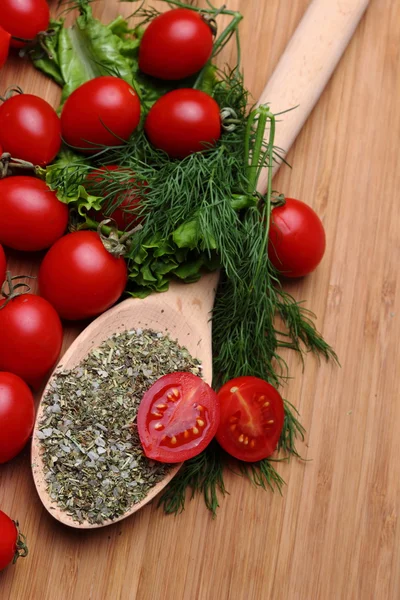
x=101 y=112
x=5 y=39
x=30 y=129
x=127 y=202
x=17 y=415
x=252 y=416
x=176 y=44
x=177 y=418
x=12 y=542
x=183 y=121
x=31 y=216
x=24 y=18
x=80 y=277
x=30 y=337
x=3 y=266
x=296 y=239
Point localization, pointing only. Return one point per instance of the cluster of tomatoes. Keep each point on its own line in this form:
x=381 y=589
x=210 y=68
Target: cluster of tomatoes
x=79 y=278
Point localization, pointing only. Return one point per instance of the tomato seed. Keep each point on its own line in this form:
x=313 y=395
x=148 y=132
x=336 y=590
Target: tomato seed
x=200 y=423
x=173 y=440
x=161 y=406
x=241 y=438
x=158 y=426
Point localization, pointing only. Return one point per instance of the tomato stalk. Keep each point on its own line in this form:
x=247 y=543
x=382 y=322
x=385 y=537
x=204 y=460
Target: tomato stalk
x=7 y=163
x=21 y=549
x=12 y=293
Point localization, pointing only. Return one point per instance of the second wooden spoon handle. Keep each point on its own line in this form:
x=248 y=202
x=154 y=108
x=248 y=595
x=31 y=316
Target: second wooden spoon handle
x=307 y=64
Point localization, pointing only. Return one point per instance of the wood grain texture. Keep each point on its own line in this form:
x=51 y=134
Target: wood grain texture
x=334 y=533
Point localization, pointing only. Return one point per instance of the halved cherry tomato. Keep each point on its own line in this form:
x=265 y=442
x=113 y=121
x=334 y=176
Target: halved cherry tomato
x=184 y=121
x=296 y=238
x=126 y=203
x=5 y=39
x=176 y=44
x=30 y=129
x=252 y=416
x=177 y=418
x=3 y=266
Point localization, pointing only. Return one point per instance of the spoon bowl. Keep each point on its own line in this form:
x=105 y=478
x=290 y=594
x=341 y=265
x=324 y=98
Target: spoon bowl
x=183 y=313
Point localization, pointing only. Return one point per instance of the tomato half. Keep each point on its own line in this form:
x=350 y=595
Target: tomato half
x=12 y=543
x=104 y=111
x=5 y=39
x=296 y=238
x=30 y=129
x=31 y=216
x=80 y=277
x=252 y=416
x=176 y=44
x=127 y=203
x=183 y=121
x=24 y=18
x=17 y=415
x=177 y=418
x=30 y=337
x=3 y=266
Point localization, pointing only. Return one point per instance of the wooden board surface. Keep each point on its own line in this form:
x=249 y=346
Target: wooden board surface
x=334 y=534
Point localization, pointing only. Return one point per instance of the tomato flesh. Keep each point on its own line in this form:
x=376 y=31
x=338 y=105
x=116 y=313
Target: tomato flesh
x=176 y=44
x=252 y=416
x=177 y=418
x=17 y=415
x=30 y=129
x=296 y=239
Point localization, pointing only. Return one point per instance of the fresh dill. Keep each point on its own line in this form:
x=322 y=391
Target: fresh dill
x=202 y=212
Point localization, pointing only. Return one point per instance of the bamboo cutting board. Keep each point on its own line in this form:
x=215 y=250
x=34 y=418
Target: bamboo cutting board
x=334 y=533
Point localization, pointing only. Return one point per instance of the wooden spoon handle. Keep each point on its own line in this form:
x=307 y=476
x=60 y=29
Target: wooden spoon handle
x=307 y=64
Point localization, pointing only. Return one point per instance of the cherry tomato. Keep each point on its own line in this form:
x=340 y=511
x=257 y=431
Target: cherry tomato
x=252 y=416
x=17 y=415
x=30 y=129
x=24 y=18
x=30 y=337
x=101 y=112
x=80 y=277
x=5 y=39
x=183 y=121
x=176 y=44
x=127 y=202
x=3 y=266
x=31 y=216
x=12 y=542
x=296 y=239
x=177 y=418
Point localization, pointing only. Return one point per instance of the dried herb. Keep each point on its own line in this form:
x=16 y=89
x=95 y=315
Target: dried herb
x=94 y=463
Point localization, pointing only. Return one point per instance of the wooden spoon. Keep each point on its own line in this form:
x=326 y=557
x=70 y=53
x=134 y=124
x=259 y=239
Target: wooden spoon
x=184 y=311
